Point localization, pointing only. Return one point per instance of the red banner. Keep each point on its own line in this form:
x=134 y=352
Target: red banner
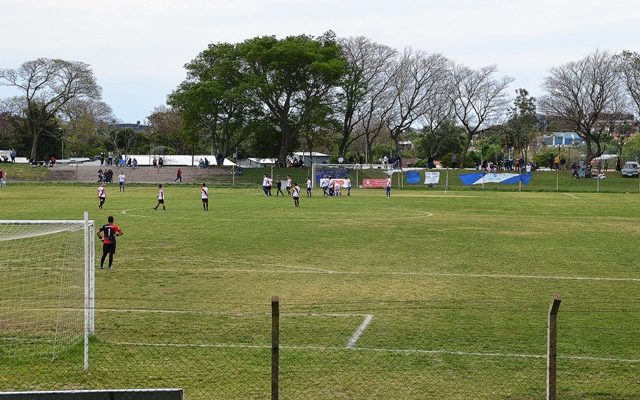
x=374 y=183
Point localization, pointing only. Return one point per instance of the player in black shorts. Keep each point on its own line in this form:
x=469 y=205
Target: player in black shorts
x=107 y=233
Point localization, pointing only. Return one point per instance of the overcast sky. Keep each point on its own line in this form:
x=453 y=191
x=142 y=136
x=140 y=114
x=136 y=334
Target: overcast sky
x=137 y=48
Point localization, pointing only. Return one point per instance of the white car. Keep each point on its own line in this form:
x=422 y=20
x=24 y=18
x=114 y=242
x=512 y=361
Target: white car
x=631 y=169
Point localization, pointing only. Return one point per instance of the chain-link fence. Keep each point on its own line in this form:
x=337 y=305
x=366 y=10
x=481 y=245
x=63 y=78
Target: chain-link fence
x=480 y=351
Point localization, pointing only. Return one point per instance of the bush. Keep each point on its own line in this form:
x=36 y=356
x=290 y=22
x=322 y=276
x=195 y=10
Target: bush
x=544 y=158
x=420 y=163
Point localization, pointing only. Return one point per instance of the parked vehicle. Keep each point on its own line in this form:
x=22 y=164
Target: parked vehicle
x=631 y=169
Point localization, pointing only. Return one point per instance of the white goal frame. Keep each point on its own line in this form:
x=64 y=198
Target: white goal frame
x=89 y=229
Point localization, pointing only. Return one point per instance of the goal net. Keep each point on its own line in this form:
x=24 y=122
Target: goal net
x=46 y=287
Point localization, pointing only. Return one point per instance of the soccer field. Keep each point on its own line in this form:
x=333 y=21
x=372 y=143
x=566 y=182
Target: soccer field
x=421 y=295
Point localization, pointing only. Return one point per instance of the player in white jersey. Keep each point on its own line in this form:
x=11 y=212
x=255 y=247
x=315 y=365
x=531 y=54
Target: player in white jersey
x=289 y=185
x=160 y=198
x=347 y=184
x=102 y=195
x=121 y=181
x=308 y=187
x=296 y=194
x=388 y=190
x=204 y=195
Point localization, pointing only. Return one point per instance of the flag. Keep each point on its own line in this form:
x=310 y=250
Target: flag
x=431 y=178
x=413 y=177
x=509 y=179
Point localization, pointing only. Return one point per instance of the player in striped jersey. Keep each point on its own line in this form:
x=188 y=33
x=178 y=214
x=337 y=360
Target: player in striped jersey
x=102 y=194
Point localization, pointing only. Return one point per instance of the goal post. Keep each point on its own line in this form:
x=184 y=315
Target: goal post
x=47 y=290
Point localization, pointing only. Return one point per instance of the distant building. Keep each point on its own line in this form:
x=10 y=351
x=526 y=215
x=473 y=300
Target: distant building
x=308 y=159
x=137 y=127
x=562 y=139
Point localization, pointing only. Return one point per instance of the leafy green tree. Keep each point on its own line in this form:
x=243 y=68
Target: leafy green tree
x=521 y=128
x=631 y=151
x=215 y=100
x=447 y=138
x=292 y=78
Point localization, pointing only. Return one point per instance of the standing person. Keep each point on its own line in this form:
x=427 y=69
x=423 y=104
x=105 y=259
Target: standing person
x=348 y=186
x=265 y=182
x=324 y=182
x=204 y=195
x=296 y=194
x=110 y=231
x=160 y=198
x=288 y=185
x=110 y=158
x=178 y=175
x=269 y=184
x=102 y=194
x=13 y=156
x=308 y=187
x=279 y=187
x=3 y=178
x=121 y=180
x=388 y=190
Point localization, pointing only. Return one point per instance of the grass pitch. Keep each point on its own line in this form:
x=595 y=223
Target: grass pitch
x=458 y=285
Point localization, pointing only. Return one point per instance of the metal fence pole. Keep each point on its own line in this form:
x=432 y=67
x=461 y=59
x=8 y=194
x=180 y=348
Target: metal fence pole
x=552 y=348
x=275 y=346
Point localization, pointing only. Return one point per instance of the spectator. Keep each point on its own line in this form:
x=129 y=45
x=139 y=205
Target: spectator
x=13 y=156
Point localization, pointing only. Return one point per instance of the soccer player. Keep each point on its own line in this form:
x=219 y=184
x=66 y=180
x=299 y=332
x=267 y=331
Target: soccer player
x=296 y=194
x=388 y=190
x=324 y=182
x=110 y=231
x=121 y=180
x=288 y=185
x=204 y=194
x=279 y=186
x=269 y=184
x=309 y=187
x=102 y=194
x=348 y=185
x=160 y=198
x=265 y=183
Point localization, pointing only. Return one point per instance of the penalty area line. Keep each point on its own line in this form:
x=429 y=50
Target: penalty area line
x=571 y=195
x=376 y=350
x=351 y=344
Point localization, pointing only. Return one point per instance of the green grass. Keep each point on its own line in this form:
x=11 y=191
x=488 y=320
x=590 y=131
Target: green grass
x=459 y=285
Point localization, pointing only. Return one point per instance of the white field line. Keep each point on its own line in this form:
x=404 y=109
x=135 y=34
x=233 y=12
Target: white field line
x=571 y=195
x=351 y=344
x=387 y=273
x=222 y=313
x=379 y=350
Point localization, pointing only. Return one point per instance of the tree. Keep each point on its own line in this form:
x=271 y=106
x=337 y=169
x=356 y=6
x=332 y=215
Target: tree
x=419 y=80
x=46 y=86
x=521 y=128
x=166 y=127
x=291 y=78
x=479 y=100
x=215 y=99
x=629 y=68
x=436 y=143
x=84 y=125
x=367 y=63
x=586 y=96
x=631 y=149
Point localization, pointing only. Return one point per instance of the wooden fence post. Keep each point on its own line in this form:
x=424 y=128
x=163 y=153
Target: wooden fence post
x=275 y=346
x=552 y=347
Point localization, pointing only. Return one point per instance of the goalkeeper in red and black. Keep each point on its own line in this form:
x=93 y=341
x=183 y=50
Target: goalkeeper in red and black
x=107 y=233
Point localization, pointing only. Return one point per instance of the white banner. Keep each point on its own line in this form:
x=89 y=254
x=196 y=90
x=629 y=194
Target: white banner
x=431 y=178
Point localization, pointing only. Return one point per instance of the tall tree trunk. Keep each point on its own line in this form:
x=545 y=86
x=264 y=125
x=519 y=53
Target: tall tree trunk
x=463 y=157
x=285 y=140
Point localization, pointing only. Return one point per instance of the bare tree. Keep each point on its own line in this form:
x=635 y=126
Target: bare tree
x=47 y=85
x=630 y=73
x=376 y=110
x=587 y=97
x=479 y=100
x=417 y=83
x=366 y=62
